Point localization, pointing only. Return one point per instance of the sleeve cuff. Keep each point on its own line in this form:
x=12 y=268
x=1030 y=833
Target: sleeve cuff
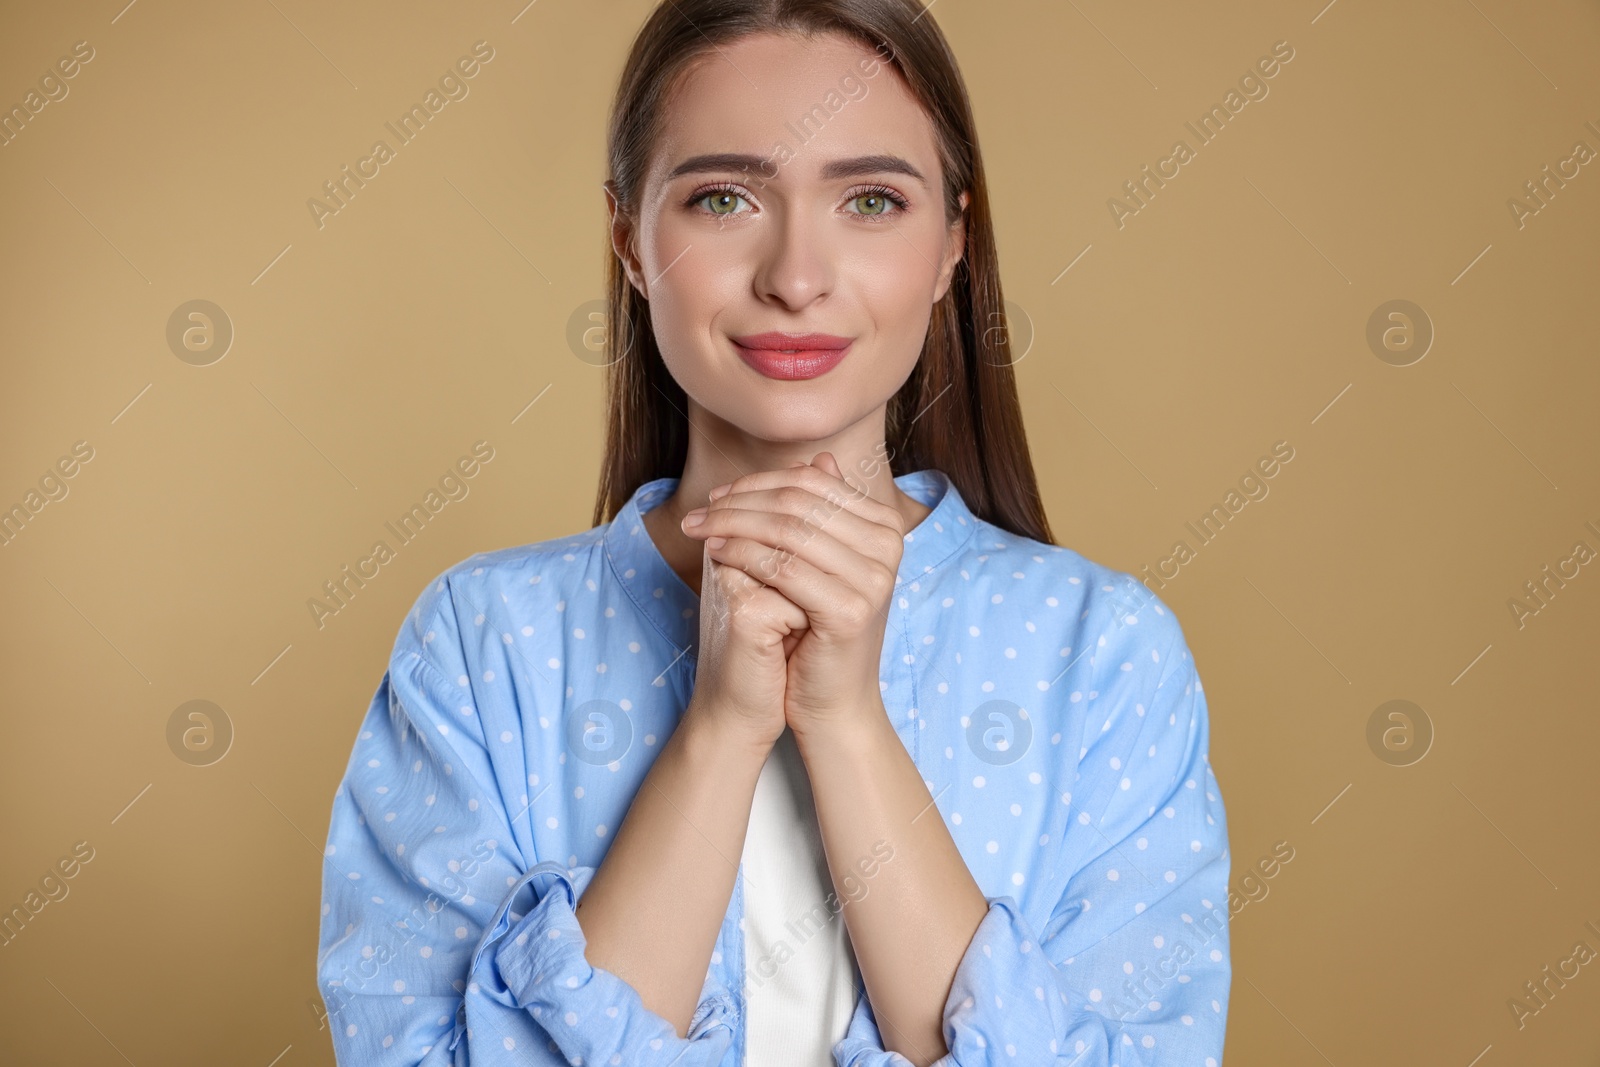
x=1005 y=1004
x=537 y=962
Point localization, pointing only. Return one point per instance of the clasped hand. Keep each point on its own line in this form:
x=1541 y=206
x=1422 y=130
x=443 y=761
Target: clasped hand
x=832 y=552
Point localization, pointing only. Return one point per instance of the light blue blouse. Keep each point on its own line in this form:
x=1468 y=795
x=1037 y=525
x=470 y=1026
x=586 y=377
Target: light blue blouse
x=1050 y=703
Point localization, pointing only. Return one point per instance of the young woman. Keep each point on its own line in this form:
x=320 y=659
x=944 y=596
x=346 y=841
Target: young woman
x=819 y=751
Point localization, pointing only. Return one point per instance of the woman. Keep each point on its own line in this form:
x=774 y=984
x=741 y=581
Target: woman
x=796 y=759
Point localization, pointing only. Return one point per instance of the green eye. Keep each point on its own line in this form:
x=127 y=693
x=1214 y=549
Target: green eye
x=876 y=201
x=722 y=203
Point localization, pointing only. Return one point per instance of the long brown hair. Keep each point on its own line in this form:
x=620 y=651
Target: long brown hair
x=958 y=410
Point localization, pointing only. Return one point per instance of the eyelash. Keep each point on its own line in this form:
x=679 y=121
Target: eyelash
x=901 y=203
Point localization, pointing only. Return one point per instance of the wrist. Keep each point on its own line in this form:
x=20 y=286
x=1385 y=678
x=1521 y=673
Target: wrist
x=859 y=736
x=709 y=730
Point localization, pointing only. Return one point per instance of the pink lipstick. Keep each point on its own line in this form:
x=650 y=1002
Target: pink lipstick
x=792 y=356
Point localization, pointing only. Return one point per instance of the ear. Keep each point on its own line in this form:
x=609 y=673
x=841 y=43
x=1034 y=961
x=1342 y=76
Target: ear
x=622 y=236
x=955 y=247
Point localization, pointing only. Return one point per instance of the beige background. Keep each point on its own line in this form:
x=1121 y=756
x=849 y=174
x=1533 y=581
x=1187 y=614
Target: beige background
x=1228 y=314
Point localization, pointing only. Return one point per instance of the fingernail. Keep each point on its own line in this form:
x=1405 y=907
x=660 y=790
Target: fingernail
x=695 y=517
x=721 y=491
x=716 y=542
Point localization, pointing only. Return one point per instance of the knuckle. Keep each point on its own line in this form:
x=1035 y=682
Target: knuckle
x=815 y=479
x=891 y=561
x=793 y=530
x=730 y=579
x=769 y=565
x=886 y=578
x=856 y=611
x=765 y=564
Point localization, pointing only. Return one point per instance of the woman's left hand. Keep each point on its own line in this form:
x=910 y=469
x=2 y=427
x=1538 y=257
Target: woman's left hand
x=832 y=550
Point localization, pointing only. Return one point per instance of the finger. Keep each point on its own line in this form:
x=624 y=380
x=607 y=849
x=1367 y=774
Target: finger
x=729 y=590
x=797 y=520
x=823 y=597
x=828 y=462
x=841 y=545
x=819 y=483
x=854 y=510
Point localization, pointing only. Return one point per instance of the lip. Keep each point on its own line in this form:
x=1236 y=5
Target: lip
x=808 y=355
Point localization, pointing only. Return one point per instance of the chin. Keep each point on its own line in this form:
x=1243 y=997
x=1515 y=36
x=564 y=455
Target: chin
x=790 y=420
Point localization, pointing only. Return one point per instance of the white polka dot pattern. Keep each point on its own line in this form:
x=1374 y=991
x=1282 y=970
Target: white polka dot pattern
x=1050 y=703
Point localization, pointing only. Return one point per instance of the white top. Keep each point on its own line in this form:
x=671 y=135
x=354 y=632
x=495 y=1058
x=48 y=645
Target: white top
x=800 y=976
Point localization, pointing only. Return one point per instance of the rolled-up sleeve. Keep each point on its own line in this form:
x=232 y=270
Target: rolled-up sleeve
x=443 y=940
x=1131 y=968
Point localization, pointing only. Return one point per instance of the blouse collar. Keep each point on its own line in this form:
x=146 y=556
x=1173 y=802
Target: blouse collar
x=673 y=607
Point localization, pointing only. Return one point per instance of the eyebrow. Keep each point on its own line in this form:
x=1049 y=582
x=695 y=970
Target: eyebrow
x=853 y=167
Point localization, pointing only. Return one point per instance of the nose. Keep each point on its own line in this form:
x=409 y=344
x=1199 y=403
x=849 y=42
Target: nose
x=797 y=263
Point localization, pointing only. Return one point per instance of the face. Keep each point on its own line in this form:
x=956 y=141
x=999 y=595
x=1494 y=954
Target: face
x=843 y=234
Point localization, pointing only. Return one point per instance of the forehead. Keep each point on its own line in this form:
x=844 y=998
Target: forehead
x=820 y=99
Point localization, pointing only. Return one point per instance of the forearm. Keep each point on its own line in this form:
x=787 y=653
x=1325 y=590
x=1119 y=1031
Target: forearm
x=911 y=927
x=653 y=909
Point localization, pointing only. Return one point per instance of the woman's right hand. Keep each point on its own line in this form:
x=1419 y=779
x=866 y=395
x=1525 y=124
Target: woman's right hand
x=747 y=630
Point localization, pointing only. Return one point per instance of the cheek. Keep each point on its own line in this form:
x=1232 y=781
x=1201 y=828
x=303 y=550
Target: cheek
x=894 y=288
x=896 y=280
x=896 y=271
x=690 y=301
x=686 y=269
